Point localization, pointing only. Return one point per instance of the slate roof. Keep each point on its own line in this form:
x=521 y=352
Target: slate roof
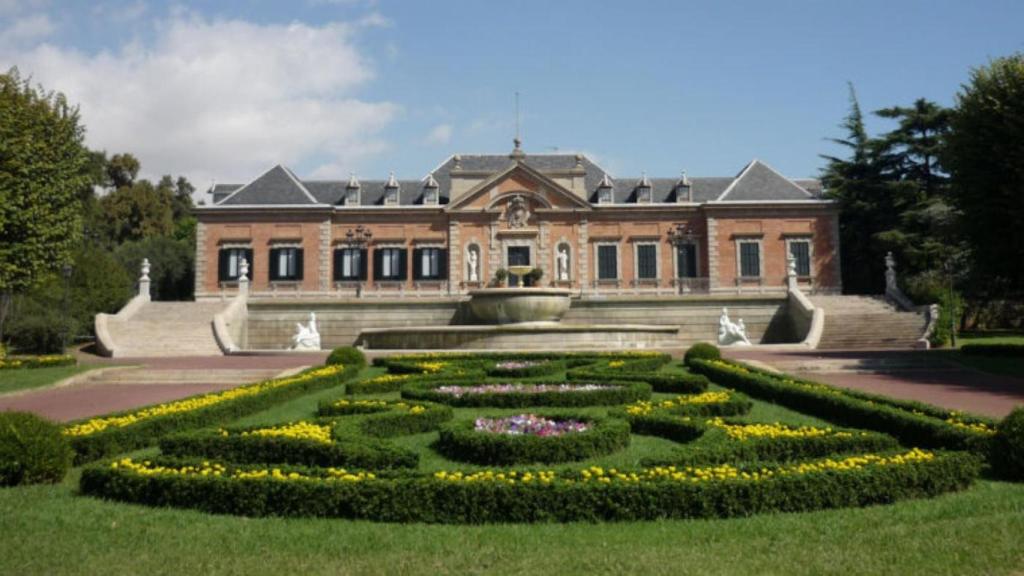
x=756 y=182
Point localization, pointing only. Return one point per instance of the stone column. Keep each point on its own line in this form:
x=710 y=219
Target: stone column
x=200 y=278
x=454 y=258
x=582 y=249
x=324 y=263
x=712 y=243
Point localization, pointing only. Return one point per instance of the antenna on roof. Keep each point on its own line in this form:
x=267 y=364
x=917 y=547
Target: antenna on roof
x=517 y=152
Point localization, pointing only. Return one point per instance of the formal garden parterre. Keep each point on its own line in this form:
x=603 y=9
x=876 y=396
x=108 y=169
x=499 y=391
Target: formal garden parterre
x=482 y=438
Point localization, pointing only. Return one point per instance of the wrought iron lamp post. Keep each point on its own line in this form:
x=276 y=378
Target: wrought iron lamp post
x=66 y=271
x=359 y=238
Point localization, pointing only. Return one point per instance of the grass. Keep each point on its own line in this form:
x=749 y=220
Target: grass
x=51 y=530
x=27 y=378
x=990 y=364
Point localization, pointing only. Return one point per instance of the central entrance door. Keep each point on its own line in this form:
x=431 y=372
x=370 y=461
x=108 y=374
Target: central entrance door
x=517 y=256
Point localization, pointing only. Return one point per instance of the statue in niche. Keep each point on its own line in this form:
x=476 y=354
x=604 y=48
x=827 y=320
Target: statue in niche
x=474 y=271
x=306 y=337
x=730 y=333
x=563 y=264
x=518 y=212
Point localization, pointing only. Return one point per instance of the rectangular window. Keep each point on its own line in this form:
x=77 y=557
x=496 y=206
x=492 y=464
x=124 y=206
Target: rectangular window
x=286 y=264
x=429 y=263
x=607 y=262
x=750 y=259
x=686 y=260
x=646 y=261
x=604 y=196
x=230 y=263
x=801 y=252
x=349 y=264
x=390 y=263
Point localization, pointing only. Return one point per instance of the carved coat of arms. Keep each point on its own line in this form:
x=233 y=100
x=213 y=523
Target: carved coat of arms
x=518 y=212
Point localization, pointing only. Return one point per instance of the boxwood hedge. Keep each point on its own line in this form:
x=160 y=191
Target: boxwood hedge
x=414 y=497
x=606 y=394
x=460 y=441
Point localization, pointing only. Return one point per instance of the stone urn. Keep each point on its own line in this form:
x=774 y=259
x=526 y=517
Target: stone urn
x=516 y=305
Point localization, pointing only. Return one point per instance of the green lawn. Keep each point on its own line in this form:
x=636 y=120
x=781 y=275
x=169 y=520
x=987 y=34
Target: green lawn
x=23 y=379
x=51 y=530
x=990 y=364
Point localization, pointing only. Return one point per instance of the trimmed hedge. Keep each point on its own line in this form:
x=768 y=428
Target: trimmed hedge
x=32 y=450
x=386 y=383
x=668 y=383
x=722 y=450
x=147 y=432
x=393 y=420
x=348 y=451
x=1001 y=350
x=663 y=425
x=49 y=361
x=543 y=368
x=609 y=393
x=412 y=497
x=1008 y=446
x=347 y=356
x=459 y=441
x=701 y=351
x=912 y=423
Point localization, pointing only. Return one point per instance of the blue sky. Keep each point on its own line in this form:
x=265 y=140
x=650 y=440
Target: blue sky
x=220 y=90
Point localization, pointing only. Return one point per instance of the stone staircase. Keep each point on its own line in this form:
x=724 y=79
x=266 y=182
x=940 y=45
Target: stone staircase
x=167 y=329
x=867 y=322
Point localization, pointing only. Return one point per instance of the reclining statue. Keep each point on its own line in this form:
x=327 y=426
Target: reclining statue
x=730 y=333
x=306 y=337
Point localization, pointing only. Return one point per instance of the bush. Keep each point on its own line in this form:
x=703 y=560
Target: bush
x=606 y=394
x=348 y=356
x=16 y=362
x=913 y=423
x=1008 y=446
x=701 y=351
x=123 y=431
x=590 y=494
x=537 y=368
x=667 y=383
x=386 y=418
x=999 y=350
x=460 y=441
x=32 y=450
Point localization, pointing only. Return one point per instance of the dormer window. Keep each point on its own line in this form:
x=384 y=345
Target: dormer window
x=643 y=190
x=604 y=191
x=391 y=191
x=351 y=196
x=684 y=192
x=431 y=191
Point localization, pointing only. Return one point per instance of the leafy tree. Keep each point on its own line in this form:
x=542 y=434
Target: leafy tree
x=865 y=204
x=172 y=264
x=137 y=211
x=985 y=158
x=43 y=169
x=122 y=169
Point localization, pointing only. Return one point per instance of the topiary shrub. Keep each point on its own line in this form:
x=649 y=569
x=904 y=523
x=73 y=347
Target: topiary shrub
x=702 y=351
x=1008 y=446
x=347 y=356
x=32 y=450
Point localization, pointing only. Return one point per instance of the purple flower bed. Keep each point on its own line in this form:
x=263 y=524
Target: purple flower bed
x=458 y=391
x=529 y=424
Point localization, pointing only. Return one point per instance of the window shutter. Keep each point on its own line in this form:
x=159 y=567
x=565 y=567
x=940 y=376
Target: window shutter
x=362 y=263
x=275 y=254
x=417 y=264
x=442 y=264
x=338 y=252
x=403 y=257
x=222 y=265
x=378 y=264
x=298 y=263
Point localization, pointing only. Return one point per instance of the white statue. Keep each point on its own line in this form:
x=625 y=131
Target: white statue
x=306 y=337
x=563 y=265
x=729 y=333
x=474 y=276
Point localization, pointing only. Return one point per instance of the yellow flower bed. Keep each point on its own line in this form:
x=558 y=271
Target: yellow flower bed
x=147 y=468
x=195 y=403
x=431 y=367
x=387 y=379
x=36 y=361
x=616 y=363
x=956 y=419
x=747 y=431
x=296 y=430
x=379 y=404
x=642 y=407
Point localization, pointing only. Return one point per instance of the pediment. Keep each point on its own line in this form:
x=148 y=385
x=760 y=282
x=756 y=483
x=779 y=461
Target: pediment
x=519 y=180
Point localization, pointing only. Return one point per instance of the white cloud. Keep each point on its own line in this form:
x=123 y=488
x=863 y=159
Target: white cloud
x=440 y=134
x=26 y=29
x=221 y=99
x=120 y=13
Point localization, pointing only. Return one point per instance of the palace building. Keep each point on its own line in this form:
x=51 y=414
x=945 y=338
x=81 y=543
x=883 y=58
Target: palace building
x=474 y=216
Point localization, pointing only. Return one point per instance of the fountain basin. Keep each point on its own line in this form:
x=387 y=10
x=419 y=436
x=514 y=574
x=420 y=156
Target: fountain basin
x=516 y=305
